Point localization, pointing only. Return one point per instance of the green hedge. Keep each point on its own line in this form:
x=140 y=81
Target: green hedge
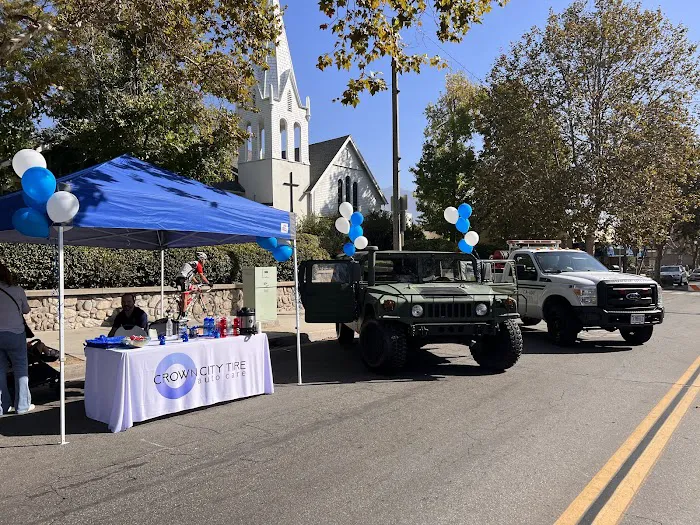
x=34 y=267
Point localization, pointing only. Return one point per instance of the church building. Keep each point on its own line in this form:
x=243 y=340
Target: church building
x=277 y=166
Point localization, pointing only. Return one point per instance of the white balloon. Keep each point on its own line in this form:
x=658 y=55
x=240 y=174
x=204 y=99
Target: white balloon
x=342 y=225
x=25 y=159
x=62 y=207
x=346 y=209
x=361 y=242
x=471 y=238
x=451 y=215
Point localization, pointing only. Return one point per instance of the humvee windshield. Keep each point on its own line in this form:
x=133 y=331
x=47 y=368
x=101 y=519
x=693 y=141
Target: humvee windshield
x=394 y=267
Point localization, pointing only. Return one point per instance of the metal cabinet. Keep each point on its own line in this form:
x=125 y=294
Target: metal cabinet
x=260 y=292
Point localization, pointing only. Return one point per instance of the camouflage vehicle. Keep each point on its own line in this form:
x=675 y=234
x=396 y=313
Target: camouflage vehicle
x=398 y=301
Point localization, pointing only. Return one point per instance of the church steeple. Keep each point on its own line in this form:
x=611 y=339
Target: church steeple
x=280 y=68
x=277 y=150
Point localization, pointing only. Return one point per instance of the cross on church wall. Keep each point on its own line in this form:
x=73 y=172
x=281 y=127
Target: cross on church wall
x=291 y=190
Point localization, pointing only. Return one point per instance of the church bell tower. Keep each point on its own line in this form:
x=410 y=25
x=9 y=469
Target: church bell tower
x=273 y=165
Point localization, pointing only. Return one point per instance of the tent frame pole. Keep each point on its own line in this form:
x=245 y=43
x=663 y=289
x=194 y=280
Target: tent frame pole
x=61 y=335
x=296 y=307
x=162 y=283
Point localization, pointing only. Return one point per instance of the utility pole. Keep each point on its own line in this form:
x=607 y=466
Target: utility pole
x=395 y=201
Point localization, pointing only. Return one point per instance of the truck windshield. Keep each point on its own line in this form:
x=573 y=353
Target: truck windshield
x=448 y=268
x=426 y=269
x=558 y=262
x=670 y=269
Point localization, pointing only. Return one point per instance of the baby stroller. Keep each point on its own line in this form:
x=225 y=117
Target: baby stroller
x=40 y=373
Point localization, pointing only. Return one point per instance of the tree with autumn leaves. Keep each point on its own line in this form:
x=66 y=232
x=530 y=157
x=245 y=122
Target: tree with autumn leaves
x=589 y=130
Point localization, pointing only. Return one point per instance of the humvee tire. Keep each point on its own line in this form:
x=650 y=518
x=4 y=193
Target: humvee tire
x=637 y=336
x=344 y=334
x=499 y=351
x=383 y=346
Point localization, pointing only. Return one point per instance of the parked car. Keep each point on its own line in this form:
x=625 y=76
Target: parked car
x=674 y=275
x=695 y=275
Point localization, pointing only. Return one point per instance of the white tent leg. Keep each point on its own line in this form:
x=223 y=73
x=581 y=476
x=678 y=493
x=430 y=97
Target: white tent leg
x=296 y=307
x=61 y=334
x=162 y=284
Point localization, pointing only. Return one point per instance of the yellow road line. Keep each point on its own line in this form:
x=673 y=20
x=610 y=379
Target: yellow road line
x=616 y=506
x=578 y=507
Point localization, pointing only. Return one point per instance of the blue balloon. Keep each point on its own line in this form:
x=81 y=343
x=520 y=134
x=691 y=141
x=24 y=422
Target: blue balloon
x=463 y=246
x=31 y=223
x=357 y=218
x=465 y=210
x=267 y=243
x=349 y=249
x=39 y=184
x=355 y=232
x=463 y=225
x=282 y=253
x=38 y=206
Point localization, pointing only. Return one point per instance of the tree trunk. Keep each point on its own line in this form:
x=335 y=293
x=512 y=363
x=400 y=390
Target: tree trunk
x=590 y=244
x=659 y=258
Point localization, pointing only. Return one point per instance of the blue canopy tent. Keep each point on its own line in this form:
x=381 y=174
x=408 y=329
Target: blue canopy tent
x=129 y=203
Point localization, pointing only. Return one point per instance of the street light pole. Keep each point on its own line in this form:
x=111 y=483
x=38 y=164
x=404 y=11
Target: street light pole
x=395 y=201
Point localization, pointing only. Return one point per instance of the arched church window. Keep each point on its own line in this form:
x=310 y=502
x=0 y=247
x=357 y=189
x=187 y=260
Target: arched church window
x=289 y=101
x=261 y=153
x=354 y=195
x=340 y=192
x=249 y=142
x=348 y=197
x=297 y=142
x=283 y=137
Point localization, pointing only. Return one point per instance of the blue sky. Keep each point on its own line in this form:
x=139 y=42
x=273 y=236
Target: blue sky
x=370 y=122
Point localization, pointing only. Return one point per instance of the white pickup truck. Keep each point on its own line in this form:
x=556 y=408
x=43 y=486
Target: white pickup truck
x=573 y=291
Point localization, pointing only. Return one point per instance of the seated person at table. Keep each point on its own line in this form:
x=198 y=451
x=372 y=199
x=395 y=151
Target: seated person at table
x=130 y=316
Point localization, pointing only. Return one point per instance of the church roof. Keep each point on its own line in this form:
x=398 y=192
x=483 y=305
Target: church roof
x=321 y=154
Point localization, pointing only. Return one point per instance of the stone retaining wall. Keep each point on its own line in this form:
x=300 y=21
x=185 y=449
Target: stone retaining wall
x=96 y=308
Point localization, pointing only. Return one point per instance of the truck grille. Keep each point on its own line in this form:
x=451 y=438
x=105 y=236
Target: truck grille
x=627 y=296
x=447 y=310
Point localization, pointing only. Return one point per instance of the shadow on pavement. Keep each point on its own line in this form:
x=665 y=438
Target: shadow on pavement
x=538 y=342
x=46 y=422
x=330 y=362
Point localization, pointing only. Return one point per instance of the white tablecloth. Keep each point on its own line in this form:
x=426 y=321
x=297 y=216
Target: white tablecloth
x=127 y=386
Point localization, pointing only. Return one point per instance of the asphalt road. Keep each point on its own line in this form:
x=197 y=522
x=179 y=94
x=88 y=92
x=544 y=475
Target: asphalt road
x=445 y=443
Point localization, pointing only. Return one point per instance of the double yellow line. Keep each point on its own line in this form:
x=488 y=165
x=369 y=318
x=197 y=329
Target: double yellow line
x=606 y=498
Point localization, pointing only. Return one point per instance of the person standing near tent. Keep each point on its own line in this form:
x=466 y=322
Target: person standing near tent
x=192 y=271
x=13 y=344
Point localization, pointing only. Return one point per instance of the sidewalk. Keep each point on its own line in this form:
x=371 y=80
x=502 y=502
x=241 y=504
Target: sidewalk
x=280 y=334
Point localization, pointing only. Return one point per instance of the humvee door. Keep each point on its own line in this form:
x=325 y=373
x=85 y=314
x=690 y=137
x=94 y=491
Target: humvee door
x=328 y=290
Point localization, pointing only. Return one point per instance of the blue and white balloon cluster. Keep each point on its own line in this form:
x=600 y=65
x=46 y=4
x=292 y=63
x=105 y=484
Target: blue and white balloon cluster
x=460 y=218
x=44 y=203
x=350 y=224
x=281 y=250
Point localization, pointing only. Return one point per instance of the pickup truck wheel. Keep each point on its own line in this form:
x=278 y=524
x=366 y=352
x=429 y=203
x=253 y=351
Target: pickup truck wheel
x=530 y=321
x=344 y=334
x=637 y=336
x=562 y=327
x=500 y=351
x=383 y=346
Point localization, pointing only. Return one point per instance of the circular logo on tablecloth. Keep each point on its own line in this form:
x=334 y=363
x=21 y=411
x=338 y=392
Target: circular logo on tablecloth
x=175 y=376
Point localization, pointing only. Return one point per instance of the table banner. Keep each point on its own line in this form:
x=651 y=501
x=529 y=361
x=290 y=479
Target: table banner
x=127 y=386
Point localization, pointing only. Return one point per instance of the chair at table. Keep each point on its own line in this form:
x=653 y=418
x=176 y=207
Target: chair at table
x=135 y=330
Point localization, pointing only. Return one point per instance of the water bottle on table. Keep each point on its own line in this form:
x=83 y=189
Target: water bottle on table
x=169 y=327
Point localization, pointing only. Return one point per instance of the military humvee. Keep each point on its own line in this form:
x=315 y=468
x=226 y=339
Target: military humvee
x=398 y=301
